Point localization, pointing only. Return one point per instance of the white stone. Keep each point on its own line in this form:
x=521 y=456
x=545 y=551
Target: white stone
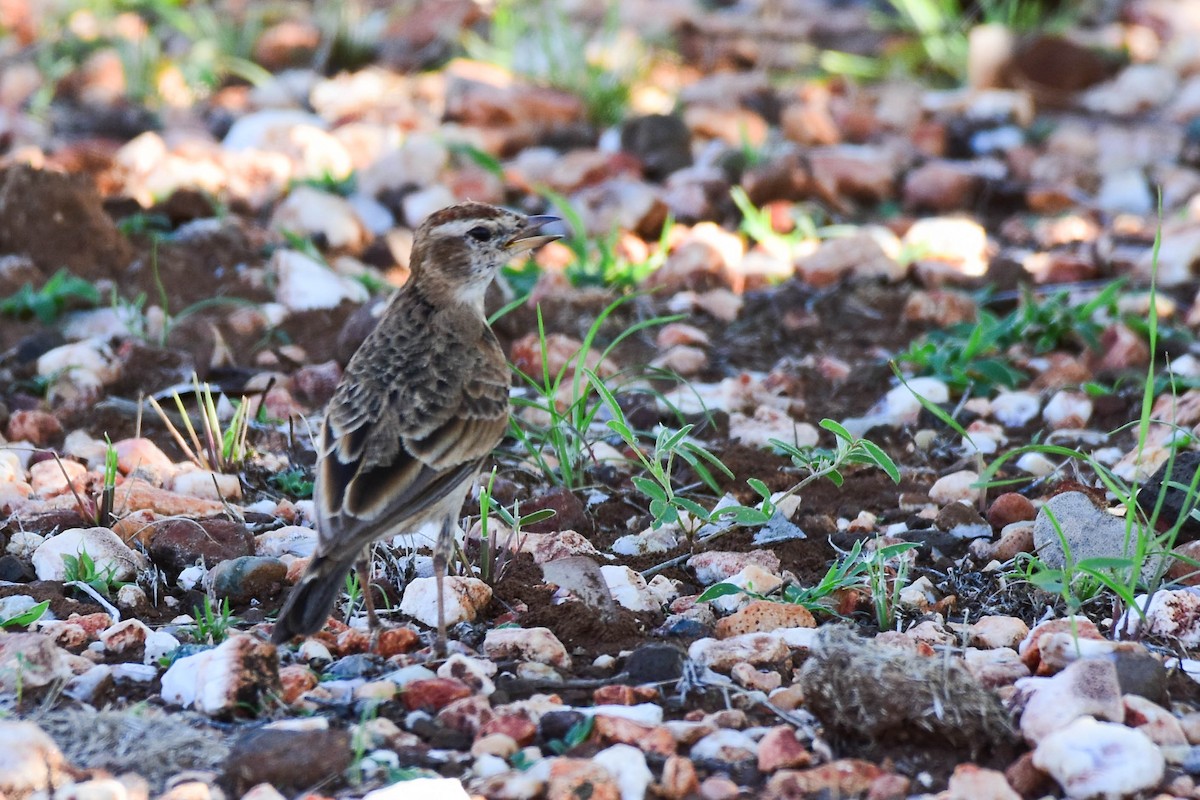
x=1015 y=409
x=15 y=605
x=158 y=645
x=309 y=211
x=419 y=161
x=420 y=204
x=1125 y=191
x=627 y=765
x=725 y=744
x=105 y=548
x=11 y=468
x=289 y=540
x=1179 y=250
x=1067 y=410
x=53 y=477
x=628 y=588
x=30 y=760
x=421 y=789
x=214 y=682
x=374 y=215
x=305 y=284
x=124 y=635
x=207 y=485
x=130 y=597
x=651 y=541
x=90 y=355
x=644 y=713
x=263 y=791
x=1139 y=87
x=957 y=487
x=23 y=544
x=191 y=577
x=902 y=405
x=539 y=645
x=958 y=242
x=1172 y=613
x=1035 y=464
x=464 y=598
x=1100 y=759
x=475 y=672
x=769 y=423
x=1086 y=688
x=753 y=648
x=257 y=130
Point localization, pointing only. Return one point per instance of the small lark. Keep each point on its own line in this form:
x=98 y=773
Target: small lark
x=422 y=403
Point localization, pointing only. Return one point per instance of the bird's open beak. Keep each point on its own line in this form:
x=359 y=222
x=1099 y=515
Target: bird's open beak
x=528 y=238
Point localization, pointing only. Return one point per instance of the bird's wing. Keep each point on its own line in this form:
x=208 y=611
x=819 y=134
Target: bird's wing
x=412 y=420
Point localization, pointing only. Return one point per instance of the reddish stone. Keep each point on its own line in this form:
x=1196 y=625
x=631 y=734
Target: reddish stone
x=394 y=641
x=1008 y=508
x=351 y=641
x=647 y=738
x=890 y=787
x=678 y=778
x=433 y=694
x=845 y=777
x=1028 y=780
x=780 y=749
x=36 y=426
x=1031 y=655
x=92 y=624
x=467 y=715
x=520 y=729
x=763 y=615
x=294 y=681
x=578 y=778
x=614 y=695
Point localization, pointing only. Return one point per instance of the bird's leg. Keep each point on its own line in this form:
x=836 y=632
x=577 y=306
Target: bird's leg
x=364 y=578
x=441 y=558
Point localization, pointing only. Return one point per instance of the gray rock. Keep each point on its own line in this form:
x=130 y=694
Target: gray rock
x=247 y=578
x=1089 y=533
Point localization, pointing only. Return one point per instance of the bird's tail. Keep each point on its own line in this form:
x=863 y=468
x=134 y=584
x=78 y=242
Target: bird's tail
x=311 y=601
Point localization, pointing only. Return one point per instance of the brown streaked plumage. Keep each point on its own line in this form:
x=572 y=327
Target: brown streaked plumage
x=422 y=403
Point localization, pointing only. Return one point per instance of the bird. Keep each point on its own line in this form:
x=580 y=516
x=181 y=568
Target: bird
x=420 y=405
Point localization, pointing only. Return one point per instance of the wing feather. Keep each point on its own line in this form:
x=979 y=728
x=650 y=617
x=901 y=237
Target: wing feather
x=409 y=425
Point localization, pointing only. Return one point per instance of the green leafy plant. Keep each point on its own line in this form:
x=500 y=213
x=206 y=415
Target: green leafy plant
x=974 y=355
x=884 y=584
x=560 y=445
x=848 y=450
x=354 y=593
x=104 y=515
x=494 y=557
x=82 y=569
x=852 y=570
x=596 y=259
x=668 y=506
x=27 y=617
x=294 y=482
x=203 y=45
x=576 y=735
x=47 y=304
x=223 y=448
x=542 y=41
x=1149 y=539
x=212 y=624
x=935 y=31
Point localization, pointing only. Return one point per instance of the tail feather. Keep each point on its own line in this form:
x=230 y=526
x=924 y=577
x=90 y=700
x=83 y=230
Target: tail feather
x=311 y=601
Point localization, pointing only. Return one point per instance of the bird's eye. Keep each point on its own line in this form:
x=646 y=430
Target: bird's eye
x=480 y=233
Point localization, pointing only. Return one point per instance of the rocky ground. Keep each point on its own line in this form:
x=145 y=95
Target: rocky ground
x=905 y=324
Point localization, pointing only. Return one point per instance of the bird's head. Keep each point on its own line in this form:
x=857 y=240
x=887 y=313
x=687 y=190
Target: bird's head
x=457 y=251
